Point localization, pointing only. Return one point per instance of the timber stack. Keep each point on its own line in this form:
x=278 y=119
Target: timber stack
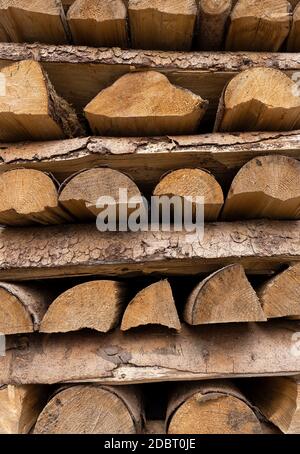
x=123 y=325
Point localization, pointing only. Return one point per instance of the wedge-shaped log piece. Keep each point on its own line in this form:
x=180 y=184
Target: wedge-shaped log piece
x=213 y=16
x=258 y=25
x=223 y=297
x=90 y=409
x=30 y=108
x=259 y=99
x=29 y=196
x=154 y=305
x=265 y=187
x=145 y=104
x=194 y=183
x=293 y=44
x=96 y=305
x=98 y=23
x=20 y=407
x=210 y=407
x=162 y=24
x=22 y=308
x=280 y=296
x=278 y=398
x=33 y=21
x=81 y=193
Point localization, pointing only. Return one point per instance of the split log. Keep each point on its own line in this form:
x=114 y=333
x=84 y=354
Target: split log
x=194 y=183
x=96 y=305
x=29 y=196
x=33 y=21
x=74 y=250
x=98 y=23
x=79 y=195
x=20 y=407
x=259 y=25
x=213 y=351
x=223 y=297
x=259 y=99
x=22 y=308
x=293 y=44
x=266 y=187
x=154 y=305
x=31 y=109
x=145 y=103
x=280 y=296
x=213 y=16
x=212 y=407
x=90 y=409
x=278 y=398
x=162 y=24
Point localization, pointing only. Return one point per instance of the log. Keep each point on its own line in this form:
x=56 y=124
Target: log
x=196 y=353
x=225 y=296
x=154 y=305
x=162 y=24
x=74 y=250
x=280 y=295
x=78 y=74
x=212 y=407
x=28 y=197
x=265 y=187
x=258 y=25
x=221 y=154
x=20 y=407
x=90 y=409
x=293 y=44
x=22 y=307
x=193 y=183
x=31 y=109
x=98 y=23
x=260 y=99
x=33 y=21
x=79 y=195
x=96 y=305
x=213 y=17
x=278 y=398
x=144 y=103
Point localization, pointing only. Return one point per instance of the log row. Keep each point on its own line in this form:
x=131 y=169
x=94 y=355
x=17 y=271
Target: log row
x=143 y=104
x=265 y=188
x=226 y=296
x=207 y=407
x=251 y=25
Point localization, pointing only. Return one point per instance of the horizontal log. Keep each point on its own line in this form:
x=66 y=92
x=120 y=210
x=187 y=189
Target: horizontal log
x=76 y=250
x=117 y=358
x=206 y=74
x=221 y=154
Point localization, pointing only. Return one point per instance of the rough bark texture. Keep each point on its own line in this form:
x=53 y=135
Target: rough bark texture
x=73 y=250
x=209 y=352
x=223 y=155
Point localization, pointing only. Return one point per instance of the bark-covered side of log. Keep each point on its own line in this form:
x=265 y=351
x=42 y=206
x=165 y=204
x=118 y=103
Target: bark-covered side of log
x=221 y=154
x=208 y=352
x=69 y=250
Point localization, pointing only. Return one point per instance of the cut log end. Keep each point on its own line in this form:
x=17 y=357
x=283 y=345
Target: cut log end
x=213 y=16
x=223 y=297
x=31 y=109
x=90 y=410
x=265 y=187
x=258 y=25
x=194 y=183
x=96 y=305
x=145 y=103
x=154 y=305
x=293 y=44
